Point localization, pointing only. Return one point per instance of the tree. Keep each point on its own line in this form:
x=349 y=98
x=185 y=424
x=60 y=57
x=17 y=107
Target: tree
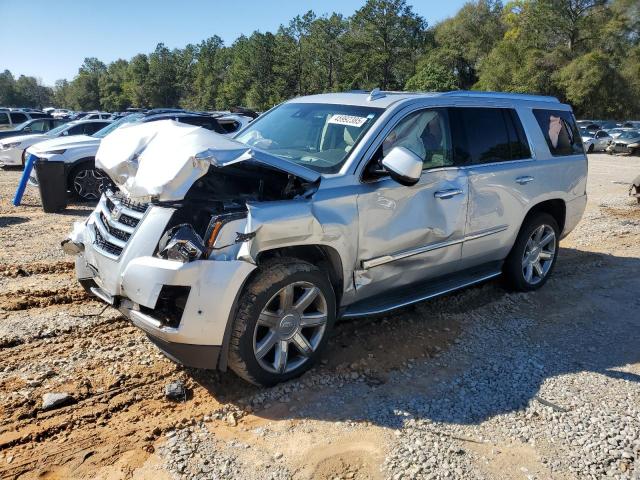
x=162 y=86
x=7 y=89
x=85 y=88
x=383 y=43
x=208 y=73
x=135 y=86
x=461 y=43
x=432 y=78
x=596 y=88
x=326 y=46
x=113 y=97
x=239 y=75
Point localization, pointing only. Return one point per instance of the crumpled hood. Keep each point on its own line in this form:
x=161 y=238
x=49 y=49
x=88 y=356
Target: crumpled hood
x=163 y=159
x=65 y=142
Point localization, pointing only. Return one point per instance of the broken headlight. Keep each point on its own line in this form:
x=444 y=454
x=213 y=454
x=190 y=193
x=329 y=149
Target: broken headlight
x=181 y=243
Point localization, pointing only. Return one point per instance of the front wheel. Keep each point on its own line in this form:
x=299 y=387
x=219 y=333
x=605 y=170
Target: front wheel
x=282 y=323
x=591 y=148
x=88 y=183
x=534 y=254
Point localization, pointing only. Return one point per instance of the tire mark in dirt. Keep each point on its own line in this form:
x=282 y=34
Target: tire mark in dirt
x=34 y=268
x=23 y=299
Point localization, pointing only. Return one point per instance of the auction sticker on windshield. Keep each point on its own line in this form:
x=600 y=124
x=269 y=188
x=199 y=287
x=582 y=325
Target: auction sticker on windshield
x=349 y=120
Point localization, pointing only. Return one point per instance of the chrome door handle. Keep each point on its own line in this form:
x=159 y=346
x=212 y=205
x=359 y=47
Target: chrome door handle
x=451 y=192
x=524 y=180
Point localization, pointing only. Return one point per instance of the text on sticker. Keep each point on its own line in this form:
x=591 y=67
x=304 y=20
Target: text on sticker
x=350 y=120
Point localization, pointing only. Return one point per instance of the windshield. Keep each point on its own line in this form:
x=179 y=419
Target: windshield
x=103 y=132
x=318 y=136
x=55 y=131
x=632 y=134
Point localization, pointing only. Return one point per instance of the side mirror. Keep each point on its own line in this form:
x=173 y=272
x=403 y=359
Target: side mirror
x=404 y=166
x=26 y=129
x=65 y=132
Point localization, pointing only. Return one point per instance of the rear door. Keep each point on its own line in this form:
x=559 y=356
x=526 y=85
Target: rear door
x=492 y=143
x=409 y=234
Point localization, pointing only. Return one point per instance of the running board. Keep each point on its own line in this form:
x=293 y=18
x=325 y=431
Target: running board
x=409 y=294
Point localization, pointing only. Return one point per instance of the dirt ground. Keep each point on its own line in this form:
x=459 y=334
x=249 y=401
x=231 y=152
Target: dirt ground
x=118 y=423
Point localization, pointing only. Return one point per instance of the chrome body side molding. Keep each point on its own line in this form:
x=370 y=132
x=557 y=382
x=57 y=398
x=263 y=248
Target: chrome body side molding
x=374 y=262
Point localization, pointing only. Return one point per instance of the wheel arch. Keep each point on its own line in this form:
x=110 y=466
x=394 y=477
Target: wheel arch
x=556 y=207
x=323 y=256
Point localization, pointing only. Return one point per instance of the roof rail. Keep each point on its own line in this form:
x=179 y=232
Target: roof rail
x=505 y=95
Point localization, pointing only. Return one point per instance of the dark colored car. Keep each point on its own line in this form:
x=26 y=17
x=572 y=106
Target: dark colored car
x=36 y=125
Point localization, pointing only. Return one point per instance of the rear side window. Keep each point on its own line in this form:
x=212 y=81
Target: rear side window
x=4 y=118
x=17 y=117
x=487 y=135
x=76 y=130
x=39 y=126
x=93 y=127
x=560 y=131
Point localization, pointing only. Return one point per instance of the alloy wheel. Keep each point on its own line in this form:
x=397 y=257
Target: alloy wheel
x=89 y=184
x=290 y=327
x=539 y=253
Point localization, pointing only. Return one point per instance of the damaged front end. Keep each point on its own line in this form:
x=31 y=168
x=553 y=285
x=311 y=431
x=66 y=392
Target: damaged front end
x=167 y=249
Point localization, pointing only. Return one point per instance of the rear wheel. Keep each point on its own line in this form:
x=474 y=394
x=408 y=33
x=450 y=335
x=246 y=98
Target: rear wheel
x=534 y=254
x=282 y=324
x=88 y=183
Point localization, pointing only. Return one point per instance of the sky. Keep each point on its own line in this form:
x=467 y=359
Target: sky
x=50 y=39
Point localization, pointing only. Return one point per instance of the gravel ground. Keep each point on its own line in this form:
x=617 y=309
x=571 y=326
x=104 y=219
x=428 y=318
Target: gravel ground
x=478 y=384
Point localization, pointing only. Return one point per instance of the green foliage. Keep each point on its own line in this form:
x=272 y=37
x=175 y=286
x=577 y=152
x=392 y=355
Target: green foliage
x=25 y=91
x=585 y=52
x=432 y=78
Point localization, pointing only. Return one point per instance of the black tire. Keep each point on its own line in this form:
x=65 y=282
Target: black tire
x=513 y=267
x=271 y=278
x=591 y=148
x=87 y=183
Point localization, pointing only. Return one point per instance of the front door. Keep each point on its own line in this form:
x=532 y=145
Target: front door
x=408 y=234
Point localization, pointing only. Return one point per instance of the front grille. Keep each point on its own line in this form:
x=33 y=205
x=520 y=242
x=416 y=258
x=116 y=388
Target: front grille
x=119 y=234
x=115 y=221
x=105 y=246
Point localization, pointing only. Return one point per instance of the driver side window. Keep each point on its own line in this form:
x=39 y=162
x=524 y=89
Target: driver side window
x=426 y=133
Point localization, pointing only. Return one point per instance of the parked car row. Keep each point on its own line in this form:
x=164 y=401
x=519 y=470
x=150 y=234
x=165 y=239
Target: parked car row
x=610 y=137
x=75 y=144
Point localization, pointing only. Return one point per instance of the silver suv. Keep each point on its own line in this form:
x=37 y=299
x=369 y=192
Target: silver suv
x=243 y=252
